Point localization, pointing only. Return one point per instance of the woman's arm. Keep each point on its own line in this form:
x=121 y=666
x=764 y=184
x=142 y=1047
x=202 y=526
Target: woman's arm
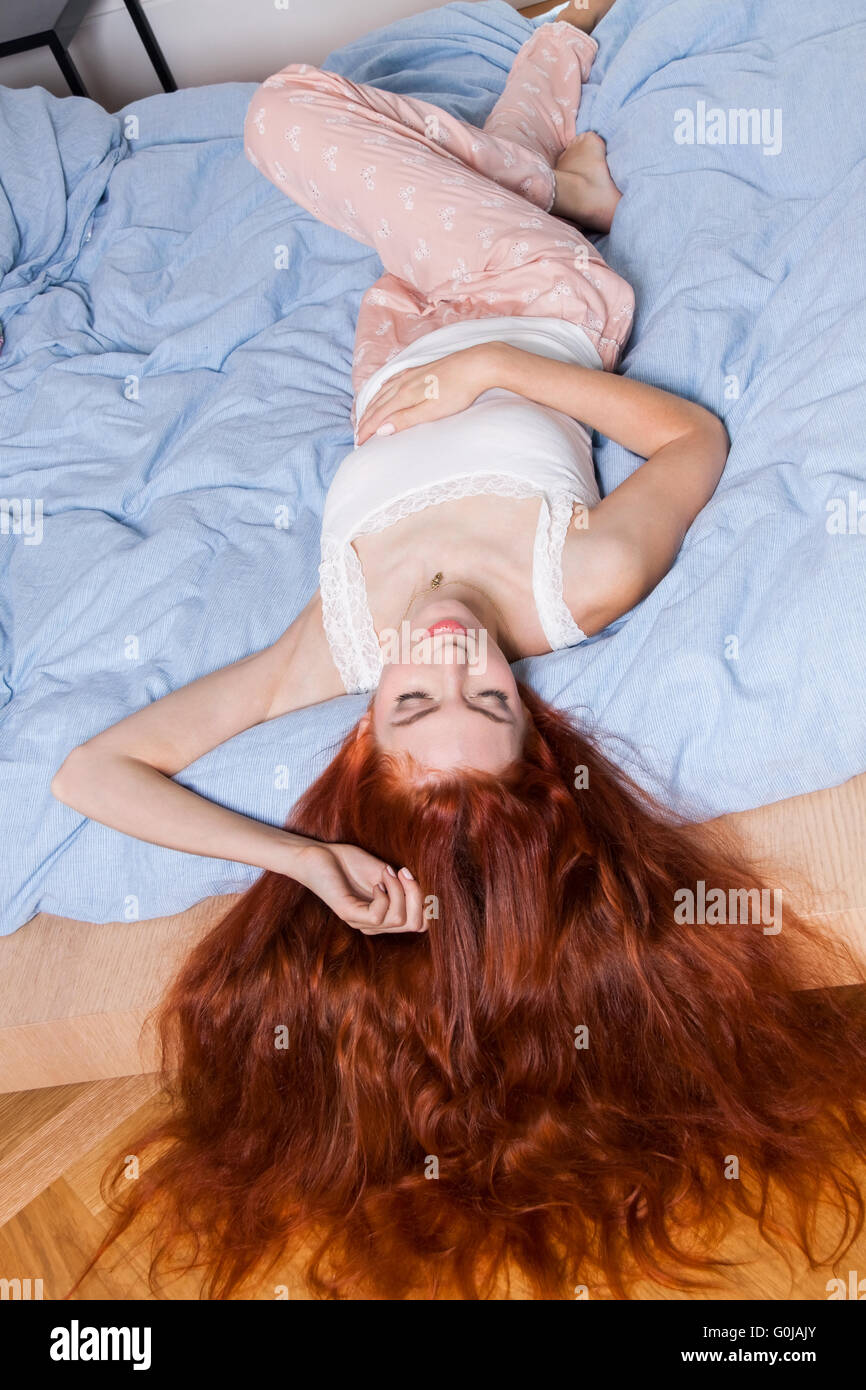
x=626 y=545
x=122 y=777
x=642 y=418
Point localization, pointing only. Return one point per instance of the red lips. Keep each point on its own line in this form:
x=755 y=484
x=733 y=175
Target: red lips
x=446 y=625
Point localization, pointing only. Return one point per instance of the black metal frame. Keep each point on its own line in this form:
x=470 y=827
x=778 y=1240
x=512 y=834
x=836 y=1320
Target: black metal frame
x=151 y=47
x=60 y=36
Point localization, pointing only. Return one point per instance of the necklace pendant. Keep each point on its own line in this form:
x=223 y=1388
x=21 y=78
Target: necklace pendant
x=436 y=580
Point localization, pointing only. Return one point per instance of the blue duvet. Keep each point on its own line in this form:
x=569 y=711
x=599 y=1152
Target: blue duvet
x=174 y=399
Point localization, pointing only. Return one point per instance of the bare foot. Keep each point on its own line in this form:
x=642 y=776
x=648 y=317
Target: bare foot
x=585 y=192
x=584 y=14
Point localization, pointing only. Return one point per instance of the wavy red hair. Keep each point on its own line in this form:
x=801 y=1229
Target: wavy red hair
x=563 y=1165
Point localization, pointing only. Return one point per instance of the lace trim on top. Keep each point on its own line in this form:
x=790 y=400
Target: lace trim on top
x=348 y=623
x=554 y=614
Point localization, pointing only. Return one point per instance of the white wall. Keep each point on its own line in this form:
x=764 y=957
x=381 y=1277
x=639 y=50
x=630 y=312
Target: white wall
x=203 y=41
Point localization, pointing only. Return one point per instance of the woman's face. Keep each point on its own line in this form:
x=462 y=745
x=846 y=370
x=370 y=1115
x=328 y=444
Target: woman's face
x=447 y=696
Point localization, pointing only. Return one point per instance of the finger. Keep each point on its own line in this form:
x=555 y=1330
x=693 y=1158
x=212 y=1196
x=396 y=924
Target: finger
x=375 y=408
x=395 y=917
x=367 y=915
x=383 y=414
x=391 y=387
x=409 y=903
x=405 y=389
x=414 y=414
x=385 y=393
x=414 y=902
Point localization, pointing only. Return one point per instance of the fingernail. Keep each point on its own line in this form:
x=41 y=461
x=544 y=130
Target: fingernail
x=387 y=428
x=406 y=874
x=390 y=871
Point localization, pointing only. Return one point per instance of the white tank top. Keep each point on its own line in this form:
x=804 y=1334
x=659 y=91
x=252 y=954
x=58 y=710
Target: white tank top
x=502 y=444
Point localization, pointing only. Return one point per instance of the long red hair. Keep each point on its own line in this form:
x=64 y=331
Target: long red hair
x=552 y=1081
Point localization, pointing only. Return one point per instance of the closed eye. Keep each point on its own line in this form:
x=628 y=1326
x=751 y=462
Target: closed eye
x=469 y=701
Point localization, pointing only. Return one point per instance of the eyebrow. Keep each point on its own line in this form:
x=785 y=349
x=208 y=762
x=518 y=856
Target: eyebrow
x=422 y=714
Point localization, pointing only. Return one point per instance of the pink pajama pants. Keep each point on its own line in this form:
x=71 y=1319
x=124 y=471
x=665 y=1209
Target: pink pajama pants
x=458 y=215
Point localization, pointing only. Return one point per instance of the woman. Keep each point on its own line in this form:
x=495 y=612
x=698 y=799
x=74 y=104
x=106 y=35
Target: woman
x=482 y=529
x=551 y=1078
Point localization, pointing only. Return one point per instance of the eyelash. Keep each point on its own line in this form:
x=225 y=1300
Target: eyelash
x=423 y=695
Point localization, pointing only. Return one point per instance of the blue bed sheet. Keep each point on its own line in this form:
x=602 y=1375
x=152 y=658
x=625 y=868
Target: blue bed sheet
x=174 y=399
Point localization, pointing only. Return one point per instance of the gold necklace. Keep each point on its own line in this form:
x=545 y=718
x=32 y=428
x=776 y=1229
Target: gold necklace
x=435 y=583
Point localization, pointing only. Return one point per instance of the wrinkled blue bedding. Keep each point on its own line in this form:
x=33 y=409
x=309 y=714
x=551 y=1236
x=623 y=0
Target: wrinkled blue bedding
x=173 y=405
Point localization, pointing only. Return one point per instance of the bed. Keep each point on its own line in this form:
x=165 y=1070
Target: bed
x=174 y=398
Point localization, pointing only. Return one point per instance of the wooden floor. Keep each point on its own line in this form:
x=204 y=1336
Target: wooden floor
x=57 y=1142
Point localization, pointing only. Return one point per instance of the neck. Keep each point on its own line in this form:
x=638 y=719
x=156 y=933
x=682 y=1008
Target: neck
x=459 y=589
x=400 y=581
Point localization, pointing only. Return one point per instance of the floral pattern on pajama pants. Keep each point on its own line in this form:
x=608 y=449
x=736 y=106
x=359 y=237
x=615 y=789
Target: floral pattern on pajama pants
x=458 y=215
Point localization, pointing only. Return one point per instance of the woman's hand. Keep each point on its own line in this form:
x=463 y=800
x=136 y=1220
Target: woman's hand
x=362 y=890
x=440 y=388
